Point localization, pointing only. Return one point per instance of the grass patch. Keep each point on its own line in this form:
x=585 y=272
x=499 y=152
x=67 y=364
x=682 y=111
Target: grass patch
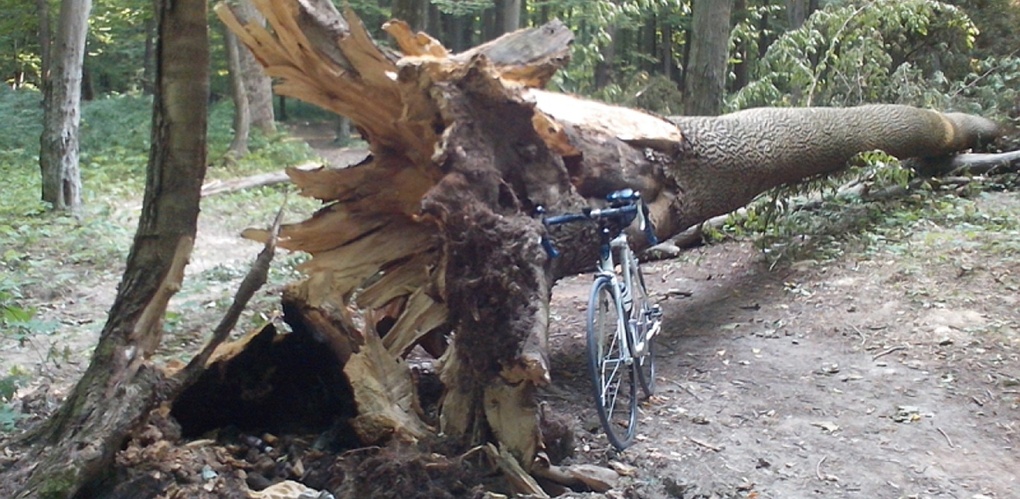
x=51 y=262
x=899 y=226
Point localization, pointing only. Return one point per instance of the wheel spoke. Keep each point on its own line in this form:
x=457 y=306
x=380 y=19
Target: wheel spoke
x=612 y=373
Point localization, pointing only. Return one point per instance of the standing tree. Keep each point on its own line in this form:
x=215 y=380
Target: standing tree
x=413 y=12
x=239 y=93
x=258 y=86
x=42 y=7
x=508 y=15
x=58 y=153
x=705 y=77
x=797 y=11
x=75 y=449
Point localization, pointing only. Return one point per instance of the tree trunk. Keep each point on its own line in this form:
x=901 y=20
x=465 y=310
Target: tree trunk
x=797 y=11
x=705 y=79
x=74 y=451
x=434 y=232
x=258 y=85
x=604 y=68
x=413 y=12
x=58 y=155
x=42 y=8
x=149 y=58
x=239 y=93
x=510 y=15
x=742 y=66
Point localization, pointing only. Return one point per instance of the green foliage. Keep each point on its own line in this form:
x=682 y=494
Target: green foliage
x=848 y=53
x=654 y=93
x=16 y=321
x=44 y=253
x=997 y=21
x=118 y=30
x=592 y=22
x=9 y=414
x=19 y=43
x=778 y=217
x=462 y=7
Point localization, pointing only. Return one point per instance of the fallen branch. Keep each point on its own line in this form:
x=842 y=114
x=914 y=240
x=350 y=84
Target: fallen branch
x=706 y=445
x=214 y=187
x=948 y=441
x=251 y=283
x=888 y=351
x=968 y=164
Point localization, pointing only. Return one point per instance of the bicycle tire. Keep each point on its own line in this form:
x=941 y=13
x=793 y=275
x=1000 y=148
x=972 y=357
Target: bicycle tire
x=641 y=312
x=613 y=379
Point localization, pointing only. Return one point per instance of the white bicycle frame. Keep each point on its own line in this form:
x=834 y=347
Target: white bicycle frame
x=607 y=268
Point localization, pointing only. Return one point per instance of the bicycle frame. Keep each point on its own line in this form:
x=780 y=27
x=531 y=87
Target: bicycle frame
x=621 y=282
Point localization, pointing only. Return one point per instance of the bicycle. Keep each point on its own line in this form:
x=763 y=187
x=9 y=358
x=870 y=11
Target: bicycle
x=621 y=320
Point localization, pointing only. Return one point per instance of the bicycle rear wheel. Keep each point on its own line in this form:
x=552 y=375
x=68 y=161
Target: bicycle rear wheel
x=645 y=318
x=612 y=374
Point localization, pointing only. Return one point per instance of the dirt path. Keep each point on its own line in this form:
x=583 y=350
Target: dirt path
x=888 y=374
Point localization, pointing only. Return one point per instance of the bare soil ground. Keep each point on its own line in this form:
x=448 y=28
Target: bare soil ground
x=890 y=369
x=879 y=374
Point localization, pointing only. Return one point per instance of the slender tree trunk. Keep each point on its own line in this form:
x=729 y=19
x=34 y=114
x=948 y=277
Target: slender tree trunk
x=669 y=69
x=491 y=23
x=741 y=69
x=58 y=155
x=604 y=69
x=242 y=116
x=149 y=62
x=45 y=39
x=510 y=16
x=705 y=82
x=764 y=38
x=413 y=12
x=74 y=451
x=797 y=11
x=258 y=85
x=686 y=58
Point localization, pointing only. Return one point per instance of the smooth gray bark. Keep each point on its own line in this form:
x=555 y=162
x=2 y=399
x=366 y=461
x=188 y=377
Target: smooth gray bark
x=58 y=152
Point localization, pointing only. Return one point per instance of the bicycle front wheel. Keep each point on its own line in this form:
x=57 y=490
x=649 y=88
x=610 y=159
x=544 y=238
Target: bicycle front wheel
x=611 y=369
x=645 y=318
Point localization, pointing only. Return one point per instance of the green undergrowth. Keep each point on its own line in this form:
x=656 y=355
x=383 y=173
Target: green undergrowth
x=52 y=261
x=980 y=216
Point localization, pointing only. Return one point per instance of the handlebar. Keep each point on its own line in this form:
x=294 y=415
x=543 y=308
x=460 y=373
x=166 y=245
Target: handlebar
x=625 y=206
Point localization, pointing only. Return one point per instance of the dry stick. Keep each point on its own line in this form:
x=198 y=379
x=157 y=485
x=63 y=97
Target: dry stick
x=252 y=282
x=948 y=441
x=888 y=351
x=818 y=469
x=705 y=444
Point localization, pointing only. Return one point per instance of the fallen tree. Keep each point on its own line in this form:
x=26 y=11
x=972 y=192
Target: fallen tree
x=435 y=234
x=432 y=242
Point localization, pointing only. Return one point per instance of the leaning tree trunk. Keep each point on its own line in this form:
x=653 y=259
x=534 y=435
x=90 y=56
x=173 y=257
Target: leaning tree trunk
x=75 y=449
x=434 y=232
